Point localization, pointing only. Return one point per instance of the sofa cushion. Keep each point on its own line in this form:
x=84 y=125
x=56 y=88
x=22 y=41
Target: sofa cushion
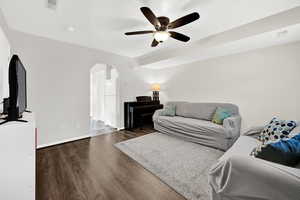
x=195 y=130
x=190 y=123
x=196 y=111
x=202 y=111
x=177 y=104
x=243 y=147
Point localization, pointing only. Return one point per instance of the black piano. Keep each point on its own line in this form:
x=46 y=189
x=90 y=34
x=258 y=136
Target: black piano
x=138 y=114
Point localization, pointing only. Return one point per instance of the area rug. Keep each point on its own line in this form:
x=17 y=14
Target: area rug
x=182 y=165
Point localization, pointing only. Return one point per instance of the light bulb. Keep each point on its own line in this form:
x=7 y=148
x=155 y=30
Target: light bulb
x=71 y=28
x=161 y=36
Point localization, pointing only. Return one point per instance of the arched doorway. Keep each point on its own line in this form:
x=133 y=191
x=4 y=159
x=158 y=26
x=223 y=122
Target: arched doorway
x=104 y=99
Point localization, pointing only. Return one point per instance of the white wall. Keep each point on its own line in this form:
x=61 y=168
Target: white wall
x=4 y=62
x=263 y=83
x=59 y=84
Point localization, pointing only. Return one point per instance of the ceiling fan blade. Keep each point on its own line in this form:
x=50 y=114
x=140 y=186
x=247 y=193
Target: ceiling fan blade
x=150 y=16
x=179 y=36
x=138 y=32
x=154 y=43
x=184 y=20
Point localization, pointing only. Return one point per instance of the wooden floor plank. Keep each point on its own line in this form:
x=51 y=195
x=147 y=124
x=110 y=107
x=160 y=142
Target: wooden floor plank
x=93 y=169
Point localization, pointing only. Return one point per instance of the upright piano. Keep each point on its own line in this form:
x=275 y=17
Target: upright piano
x=139 y=113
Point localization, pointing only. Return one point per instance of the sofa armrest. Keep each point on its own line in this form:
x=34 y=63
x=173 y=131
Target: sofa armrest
x=233 y=125
x=245 y=177
x=156 y=115
x=254 y=131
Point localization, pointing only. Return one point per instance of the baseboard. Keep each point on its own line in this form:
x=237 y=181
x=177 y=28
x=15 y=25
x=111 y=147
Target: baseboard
x=64 y=141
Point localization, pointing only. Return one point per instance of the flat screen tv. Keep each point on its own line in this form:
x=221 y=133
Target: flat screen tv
x=22 y=91
x=17 y=90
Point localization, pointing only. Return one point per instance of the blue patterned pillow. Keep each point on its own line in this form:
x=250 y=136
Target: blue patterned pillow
x=277 y=129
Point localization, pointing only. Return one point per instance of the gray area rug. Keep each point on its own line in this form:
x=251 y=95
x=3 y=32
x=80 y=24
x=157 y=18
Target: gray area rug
x=182 y=165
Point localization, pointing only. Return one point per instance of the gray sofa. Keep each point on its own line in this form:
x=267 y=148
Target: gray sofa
x=239 y=176
x=193 y=123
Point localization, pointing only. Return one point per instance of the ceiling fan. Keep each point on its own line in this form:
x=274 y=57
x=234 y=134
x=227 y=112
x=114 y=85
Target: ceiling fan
x=162 y=26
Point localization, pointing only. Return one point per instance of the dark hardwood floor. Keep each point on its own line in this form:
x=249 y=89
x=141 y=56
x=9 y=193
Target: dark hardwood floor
x=93 y=169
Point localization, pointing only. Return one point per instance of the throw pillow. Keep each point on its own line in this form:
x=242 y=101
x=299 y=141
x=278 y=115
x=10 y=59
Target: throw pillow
x=285 y=152
x=168 y=110
x=277 y=129
x=220 y=114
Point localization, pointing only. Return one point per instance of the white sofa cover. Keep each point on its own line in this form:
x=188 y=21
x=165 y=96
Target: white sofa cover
x=193 y=123
x=238 y=176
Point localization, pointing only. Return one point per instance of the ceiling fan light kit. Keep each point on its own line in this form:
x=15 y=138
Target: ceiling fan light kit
x=161 y=36
x=162 y=26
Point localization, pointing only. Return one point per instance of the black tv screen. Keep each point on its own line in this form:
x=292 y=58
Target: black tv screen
x=22 y=93
x=17 y=86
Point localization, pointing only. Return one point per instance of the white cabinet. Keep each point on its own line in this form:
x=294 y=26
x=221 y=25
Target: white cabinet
x=17 y=159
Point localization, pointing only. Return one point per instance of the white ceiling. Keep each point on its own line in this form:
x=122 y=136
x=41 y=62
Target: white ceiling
x=262 y=32
x=259 y=41
x=101 y=23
